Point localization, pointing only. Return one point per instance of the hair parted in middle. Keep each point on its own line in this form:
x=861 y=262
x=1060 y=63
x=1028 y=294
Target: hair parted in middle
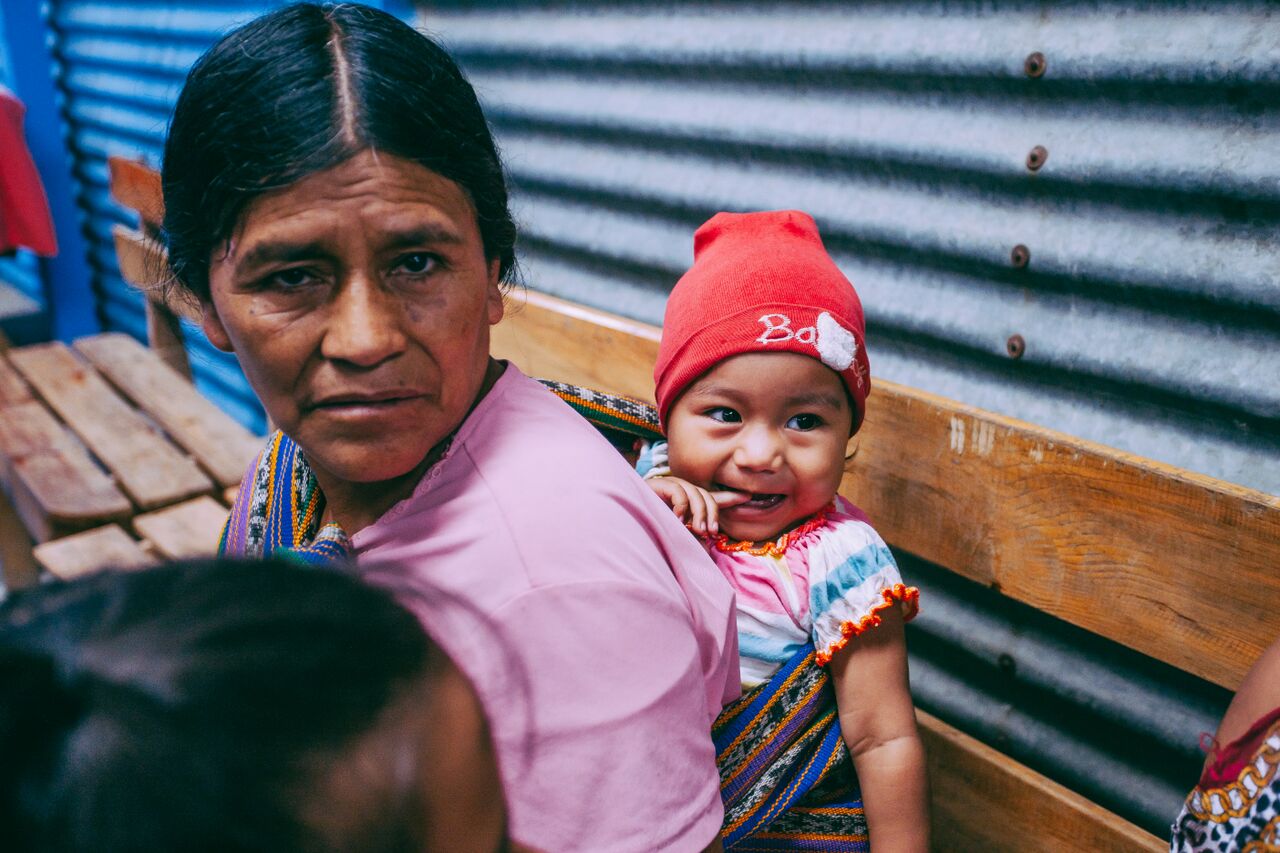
x=302 y=89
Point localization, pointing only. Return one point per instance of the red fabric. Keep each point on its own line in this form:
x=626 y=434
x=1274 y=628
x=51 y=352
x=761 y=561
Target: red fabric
x=761 y=282
x=1230 y=760
x=24 y=209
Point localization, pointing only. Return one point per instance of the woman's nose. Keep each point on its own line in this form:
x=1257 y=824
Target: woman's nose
x=759 y=449
x=365 y=324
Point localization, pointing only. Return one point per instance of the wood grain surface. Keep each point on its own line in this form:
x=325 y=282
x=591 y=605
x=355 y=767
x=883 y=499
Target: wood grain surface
x=1178 y=566
x=12 y=388
x=221 y=445
x=144 y=265
x=982 y=800
x=137 y=186
x=54 y=486
x=150 y=470
x=188 y=529
x=101 y=548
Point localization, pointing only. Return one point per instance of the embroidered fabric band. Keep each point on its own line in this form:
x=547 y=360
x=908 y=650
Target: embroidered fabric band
x=786 y=777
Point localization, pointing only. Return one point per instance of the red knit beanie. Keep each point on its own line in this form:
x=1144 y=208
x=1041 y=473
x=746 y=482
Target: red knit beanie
x=761 y=282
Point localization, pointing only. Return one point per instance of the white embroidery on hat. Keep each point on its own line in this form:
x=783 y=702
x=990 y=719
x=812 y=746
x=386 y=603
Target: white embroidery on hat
x=777 y=328
x=836 y=345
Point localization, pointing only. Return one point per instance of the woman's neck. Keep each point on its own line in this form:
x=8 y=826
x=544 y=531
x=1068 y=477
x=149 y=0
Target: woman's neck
x=355 y=506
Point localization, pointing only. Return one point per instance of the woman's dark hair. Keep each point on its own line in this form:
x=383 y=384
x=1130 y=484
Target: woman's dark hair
x=193 y=707
x=303 y=89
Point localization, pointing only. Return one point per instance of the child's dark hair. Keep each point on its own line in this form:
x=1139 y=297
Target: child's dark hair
x=301 y=90
x=191 y=707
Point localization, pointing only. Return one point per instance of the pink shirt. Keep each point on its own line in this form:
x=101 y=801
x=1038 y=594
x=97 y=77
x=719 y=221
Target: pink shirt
x=620 y=624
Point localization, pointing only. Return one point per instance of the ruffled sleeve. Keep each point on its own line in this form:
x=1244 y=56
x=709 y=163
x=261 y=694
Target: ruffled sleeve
x=853 y=578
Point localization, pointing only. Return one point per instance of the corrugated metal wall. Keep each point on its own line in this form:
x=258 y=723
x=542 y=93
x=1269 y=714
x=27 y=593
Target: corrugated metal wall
x=1065 y=212
x=120 y=67
x=1148 y=305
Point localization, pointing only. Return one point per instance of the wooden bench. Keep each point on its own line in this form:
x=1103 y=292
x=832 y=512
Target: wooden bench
x=108 y=456
x=1177 y=566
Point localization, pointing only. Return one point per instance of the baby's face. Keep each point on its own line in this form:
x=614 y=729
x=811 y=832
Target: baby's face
x=773 y=425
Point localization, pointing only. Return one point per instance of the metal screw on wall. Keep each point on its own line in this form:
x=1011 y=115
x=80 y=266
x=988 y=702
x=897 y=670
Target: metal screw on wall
x=1015 y=346
x=1020 y=256
x=1037 y=157
x=1036 y=65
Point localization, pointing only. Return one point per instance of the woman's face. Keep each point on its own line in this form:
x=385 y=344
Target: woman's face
x=359 y=302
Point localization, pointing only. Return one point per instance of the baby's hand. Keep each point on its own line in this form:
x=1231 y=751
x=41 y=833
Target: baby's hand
x=694 y=505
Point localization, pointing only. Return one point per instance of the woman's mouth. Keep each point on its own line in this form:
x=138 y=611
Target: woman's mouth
x=358 y=405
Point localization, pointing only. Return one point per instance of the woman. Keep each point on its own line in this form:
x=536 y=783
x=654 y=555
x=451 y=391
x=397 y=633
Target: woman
x=334 y=200
x=236 y=707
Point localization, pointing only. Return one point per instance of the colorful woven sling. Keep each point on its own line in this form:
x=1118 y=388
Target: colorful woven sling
x=786 y=777
x=277 y=511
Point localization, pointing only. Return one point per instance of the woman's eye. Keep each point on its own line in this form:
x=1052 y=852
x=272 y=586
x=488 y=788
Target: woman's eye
x=804 y=422
x=290 y=278
x=417 y=263
x=723 y=414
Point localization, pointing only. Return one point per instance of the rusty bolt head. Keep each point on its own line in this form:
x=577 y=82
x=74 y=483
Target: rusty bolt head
x=1016 y=346
x=1036 y=65
x=1037 y=157
x=1020 y=256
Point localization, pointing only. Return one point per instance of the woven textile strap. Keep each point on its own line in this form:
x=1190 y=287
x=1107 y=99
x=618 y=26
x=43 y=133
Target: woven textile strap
x=785 y=774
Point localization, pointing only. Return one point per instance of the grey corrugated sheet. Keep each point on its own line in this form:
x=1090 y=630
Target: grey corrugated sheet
x=1150 y=307
x=121 y=66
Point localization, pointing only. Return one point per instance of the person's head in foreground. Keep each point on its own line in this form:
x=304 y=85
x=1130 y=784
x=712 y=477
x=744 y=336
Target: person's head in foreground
x=334 y=200
x=223 y=706
x=762 y=373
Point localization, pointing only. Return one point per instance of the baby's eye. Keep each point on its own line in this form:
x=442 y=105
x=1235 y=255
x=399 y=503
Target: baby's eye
x=290 y=279
x=804 y=422
x=417 y=263
x=723 y=414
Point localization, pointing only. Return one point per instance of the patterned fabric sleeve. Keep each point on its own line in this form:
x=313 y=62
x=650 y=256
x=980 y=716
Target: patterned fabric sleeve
x=853 y=578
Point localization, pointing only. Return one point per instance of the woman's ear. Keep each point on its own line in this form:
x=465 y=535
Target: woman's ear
x=495 y=303
x=211 y=323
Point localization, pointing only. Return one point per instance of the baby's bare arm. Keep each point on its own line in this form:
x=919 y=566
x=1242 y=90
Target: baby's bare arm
x=878 y=722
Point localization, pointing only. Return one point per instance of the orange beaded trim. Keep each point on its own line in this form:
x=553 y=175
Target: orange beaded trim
x=777 y=547
x=908 y=595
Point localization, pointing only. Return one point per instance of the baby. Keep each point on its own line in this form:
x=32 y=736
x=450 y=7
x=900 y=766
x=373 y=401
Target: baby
x=762 y=379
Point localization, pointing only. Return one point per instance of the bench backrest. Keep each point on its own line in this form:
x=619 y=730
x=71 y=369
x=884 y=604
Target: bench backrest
x=1175 y=565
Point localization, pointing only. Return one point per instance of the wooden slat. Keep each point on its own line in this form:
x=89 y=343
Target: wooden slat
x=54 y=486
x=221 y=446
x=19 y=567
x=144 y=265
x=189 y=529
x=104 y=548
x=984 y=800
x=1178 y=566
x=149 y=469
x=137 y=186
x=12 y=388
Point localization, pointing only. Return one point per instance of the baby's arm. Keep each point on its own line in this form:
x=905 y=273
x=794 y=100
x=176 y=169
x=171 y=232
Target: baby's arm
x=694 y=505
x=878 y=722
